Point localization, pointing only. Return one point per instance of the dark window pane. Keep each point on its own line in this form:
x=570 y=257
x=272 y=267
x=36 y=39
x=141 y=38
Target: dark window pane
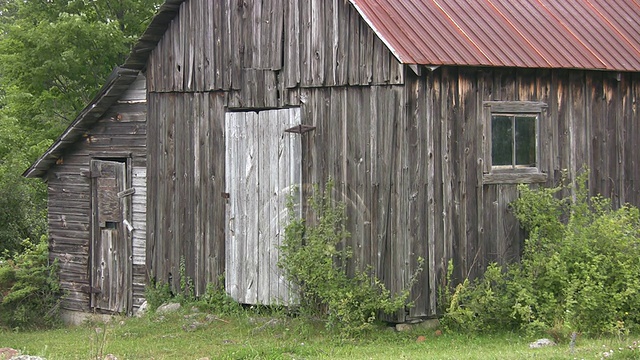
x=526 y=140
x=501 y=140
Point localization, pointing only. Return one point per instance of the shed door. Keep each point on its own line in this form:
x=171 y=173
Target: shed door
x=111 y=244
x=263 y=167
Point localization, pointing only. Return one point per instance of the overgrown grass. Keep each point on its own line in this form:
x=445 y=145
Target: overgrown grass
x=252 y=335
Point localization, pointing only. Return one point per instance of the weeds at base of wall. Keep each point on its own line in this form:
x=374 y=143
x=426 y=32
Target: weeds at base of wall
x=158 y=293
x=215 y=299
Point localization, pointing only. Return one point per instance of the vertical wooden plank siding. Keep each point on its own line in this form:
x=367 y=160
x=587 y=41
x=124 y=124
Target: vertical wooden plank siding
x=188 y=208
x=210 y=45
x=446 y=142
x=215 y=186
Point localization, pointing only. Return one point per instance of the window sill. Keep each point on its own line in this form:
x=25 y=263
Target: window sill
x=509 y=177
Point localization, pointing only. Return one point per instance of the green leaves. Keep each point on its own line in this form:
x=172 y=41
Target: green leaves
x=54 y=56
x=313 y=258
x=579 y=270
x=51 y=69
x=29 y=290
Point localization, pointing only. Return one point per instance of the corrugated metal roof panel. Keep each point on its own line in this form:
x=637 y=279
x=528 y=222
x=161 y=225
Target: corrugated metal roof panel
x=583 y=34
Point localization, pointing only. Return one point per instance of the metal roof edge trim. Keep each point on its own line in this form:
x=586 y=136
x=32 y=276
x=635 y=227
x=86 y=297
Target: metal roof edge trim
x=378 y=33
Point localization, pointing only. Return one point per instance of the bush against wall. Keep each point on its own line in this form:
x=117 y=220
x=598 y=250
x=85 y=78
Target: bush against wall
x=580 y=269
x=29 y=288
x=313 y=258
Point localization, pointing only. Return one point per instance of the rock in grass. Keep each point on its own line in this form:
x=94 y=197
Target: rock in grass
x=142 y=309
x=541 y=343
x=428 y=324
x=7 y=353
x=168 y=308
x=403 y=327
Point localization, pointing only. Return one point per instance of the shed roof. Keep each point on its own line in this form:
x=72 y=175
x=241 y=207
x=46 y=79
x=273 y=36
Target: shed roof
x=578 y=34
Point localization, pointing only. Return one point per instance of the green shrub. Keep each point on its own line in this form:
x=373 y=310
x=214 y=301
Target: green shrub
x=579 y=270
x=216 y=299
x=483 y=305
x=187 y=289
x=156 y=294
x=312 y=257
x=29 y=289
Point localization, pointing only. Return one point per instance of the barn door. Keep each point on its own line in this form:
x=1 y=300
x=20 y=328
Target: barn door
x=111 y=245
x=263 y=167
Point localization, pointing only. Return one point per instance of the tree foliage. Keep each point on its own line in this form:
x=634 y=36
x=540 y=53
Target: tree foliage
x=54 y=56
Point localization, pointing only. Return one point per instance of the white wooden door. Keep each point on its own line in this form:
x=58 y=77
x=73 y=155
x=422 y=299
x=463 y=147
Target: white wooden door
x=263 y=167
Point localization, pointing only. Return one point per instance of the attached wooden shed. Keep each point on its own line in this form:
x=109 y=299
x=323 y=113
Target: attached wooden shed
x=96 y=179
x=426 y=114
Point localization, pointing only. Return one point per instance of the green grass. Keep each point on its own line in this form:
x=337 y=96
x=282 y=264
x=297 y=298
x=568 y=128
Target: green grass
x=247 y=337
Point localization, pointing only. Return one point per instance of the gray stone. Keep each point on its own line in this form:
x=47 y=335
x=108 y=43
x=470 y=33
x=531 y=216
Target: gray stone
x=403 y=327
x=142 y=309
x=269 y=324
x=541 y=343
x=192 y=327
x=168 y=308
x=429 y=324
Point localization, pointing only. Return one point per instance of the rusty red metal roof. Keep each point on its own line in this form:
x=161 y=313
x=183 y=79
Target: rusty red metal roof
x=576 y=34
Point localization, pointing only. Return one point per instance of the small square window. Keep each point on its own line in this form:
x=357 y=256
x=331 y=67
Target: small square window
x=513 y=140
x=512 y=144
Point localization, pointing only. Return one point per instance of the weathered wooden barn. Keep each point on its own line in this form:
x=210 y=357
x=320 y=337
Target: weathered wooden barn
x=427 y=114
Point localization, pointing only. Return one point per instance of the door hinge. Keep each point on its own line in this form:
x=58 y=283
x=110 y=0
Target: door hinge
x=300 y=129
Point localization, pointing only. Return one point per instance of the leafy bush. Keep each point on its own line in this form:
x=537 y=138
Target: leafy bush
x=156 y=294
x=484 y=305
x=311 y=256
x=217 y=300
x=579 y=270
x=29 y=289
